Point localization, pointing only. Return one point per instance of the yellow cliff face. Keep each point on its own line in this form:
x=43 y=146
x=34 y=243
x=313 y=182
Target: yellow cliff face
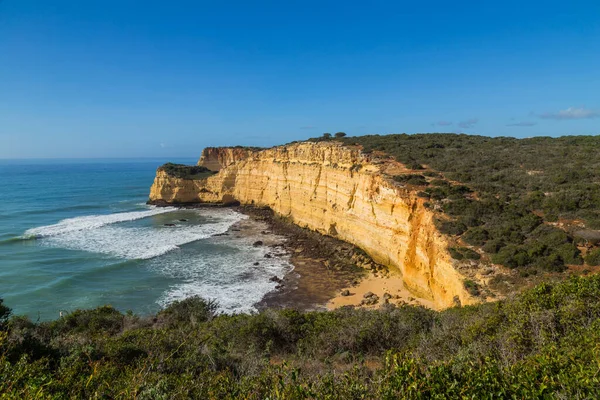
x=337 y=191
x=217 y=158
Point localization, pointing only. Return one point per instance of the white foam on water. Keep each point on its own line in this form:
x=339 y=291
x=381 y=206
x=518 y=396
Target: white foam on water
x=135 y=242
x=91 y=222
x=221 y=268
x=230 y=278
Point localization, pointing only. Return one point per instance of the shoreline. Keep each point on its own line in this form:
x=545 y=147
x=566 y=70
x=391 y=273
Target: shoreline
x=327 y=273
x=319 y=268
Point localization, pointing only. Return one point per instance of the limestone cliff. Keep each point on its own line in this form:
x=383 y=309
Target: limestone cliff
x=339 y=191
x=216 y=158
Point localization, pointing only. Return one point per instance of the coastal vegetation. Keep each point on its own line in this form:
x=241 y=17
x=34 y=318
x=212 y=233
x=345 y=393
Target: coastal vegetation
x=523 y=202
x=542 y=343
x=186 y=171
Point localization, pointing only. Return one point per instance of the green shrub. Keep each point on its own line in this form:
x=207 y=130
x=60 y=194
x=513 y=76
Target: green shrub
x=459 y=253
x=101 y=320
x=192 y=310
x=472 y=287
x=451 y=227
x=593 y=257
x=493 y=246
x=511 y=256
x=186 y=171
x=476 y=236
x=542 y=343
x=411 y=179
x=4 y=314
x=454 y=253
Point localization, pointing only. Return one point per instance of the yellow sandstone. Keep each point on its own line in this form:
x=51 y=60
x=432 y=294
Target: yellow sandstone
x=335 y=190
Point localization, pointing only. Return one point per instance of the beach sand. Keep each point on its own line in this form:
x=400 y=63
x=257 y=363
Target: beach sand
x=390 y=283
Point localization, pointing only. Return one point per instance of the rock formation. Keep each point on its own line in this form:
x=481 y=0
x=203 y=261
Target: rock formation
x=336 y=190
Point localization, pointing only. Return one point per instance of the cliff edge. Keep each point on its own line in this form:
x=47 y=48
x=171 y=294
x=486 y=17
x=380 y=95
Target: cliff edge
x=338 y=191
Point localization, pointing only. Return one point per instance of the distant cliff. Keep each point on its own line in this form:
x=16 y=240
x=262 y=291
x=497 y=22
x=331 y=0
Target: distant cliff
x=336 y=190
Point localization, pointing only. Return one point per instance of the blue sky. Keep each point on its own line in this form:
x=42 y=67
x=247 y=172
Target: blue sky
x=166 y=78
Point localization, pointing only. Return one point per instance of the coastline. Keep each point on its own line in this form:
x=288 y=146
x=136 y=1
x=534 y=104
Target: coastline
x=327 y=273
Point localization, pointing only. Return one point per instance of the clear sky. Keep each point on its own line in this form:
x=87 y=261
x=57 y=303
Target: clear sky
x=87 y=78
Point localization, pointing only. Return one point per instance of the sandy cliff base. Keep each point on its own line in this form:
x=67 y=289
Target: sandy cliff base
x=378 y=285
x=321 y=273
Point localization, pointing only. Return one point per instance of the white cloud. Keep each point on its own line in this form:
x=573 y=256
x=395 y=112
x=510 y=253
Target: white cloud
x=572 y=113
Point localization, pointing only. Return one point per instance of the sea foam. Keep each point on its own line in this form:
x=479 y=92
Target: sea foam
x=90 y=222
x=105 y=235
x=230 y=277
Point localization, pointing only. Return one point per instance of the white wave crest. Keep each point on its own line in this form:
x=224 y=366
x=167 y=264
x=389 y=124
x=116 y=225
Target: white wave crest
x=90 y=222
x=98 y=235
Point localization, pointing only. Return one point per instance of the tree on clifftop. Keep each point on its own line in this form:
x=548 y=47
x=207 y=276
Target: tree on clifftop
x=340 y=134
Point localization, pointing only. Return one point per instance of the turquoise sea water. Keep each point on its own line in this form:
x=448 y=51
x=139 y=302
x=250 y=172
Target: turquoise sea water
x=78 y=234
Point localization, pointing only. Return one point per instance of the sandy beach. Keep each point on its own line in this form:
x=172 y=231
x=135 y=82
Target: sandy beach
x=391 y=284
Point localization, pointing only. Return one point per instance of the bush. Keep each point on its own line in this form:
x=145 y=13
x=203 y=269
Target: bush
x=493 y=246
x=476 y=236
x=186 y=171
x=593 y=257
x=511 y=256
x=451 y=227
x=540 y=343
x=411 y=179
x=454 y=253
x=4 y=314
x=472 y=287
x=192 y=310
x=459 y=253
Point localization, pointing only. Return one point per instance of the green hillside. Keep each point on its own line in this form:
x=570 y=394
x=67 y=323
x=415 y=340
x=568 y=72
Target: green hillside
x=527 y=203
x=542 y=344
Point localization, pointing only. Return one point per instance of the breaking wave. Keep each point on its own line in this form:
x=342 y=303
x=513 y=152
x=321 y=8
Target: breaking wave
x=106 y=235
x=92 y=222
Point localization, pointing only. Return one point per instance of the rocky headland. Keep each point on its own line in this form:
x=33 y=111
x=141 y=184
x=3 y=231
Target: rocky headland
x=337 y=191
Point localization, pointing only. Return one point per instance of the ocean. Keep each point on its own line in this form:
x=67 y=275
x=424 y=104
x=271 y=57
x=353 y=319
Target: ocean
x=78 y=234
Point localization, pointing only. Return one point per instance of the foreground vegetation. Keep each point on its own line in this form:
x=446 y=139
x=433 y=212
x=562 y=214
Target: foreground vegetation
x=545 y=343
x=503 y=196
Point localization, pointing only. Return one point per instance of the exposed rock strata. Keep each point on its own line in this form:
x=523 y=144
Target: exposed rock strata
x=338 y=191
x=216 y=158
